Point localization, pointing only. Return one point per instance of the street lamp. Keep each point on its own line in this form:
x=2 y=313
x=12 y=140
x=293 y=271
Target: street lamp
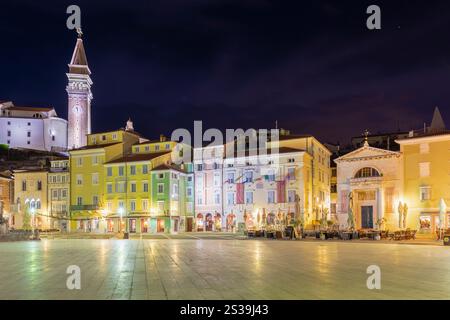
x=32 y=210
x=121 y=215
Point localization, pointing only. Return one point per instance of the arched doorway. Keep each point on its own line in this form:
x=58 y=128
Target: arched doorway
x=209 y=222
x=200 y=222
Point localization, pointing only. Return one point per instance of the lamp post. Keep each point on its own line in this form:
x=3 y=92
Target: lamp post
x=121 y=215
x=32 y=222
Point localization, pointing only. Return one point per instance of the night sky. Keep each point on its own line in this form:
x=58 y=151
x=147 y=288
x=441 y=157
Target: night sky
x=313 y=66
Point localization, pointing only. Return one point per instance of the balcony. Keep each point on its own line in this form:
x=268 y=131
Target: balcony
x=84 y=207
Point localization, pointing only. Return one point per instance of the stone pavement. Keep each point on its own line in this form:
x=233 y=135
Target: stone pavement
x=221 y=269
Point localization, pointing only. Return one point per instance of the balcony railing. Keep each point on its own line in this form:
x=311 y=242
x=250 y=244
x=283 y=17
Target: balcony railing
x=84 y=207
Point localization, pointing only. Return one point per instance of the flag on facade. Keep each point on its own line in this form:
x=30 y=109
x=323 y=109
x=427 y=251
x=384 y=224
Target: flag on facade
x=281 y=191
x=239 y=193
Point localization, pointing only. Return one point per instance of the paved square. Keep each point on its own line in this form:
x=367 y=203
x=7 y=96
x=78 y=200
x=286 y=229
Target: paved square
x=221 y=269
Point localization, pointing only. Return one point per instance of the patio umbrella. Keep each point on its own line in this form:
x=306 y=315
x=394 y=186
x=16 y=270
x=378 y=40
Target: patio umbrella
x=264 y=216
x=350 y=218
x=405 y=213
x=400 y=214
x=442 y=212
x=258 y=217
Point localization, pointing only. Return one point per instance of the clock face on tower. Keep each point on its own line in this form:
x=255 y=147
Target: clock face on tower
x=76 y=109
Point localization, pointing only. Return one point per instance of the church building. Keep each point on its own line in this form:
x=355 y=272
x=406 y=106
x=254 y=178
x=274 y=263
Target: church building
x=369 y=186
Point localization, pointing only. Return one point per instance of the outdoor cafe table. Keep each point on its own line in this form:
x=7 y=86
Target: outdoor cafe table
x=372 y=234
x=347 y=235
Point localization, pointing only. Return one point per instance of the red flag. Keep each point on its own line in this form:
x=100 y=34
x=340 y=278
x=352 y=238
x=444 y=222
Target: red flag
x=239 y=193
x=281 y=191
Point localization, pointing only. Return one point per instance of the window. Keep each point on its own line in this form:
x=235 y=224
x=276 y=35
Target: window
x=424 y=148
x=121 y=206
x=39 y=185
x=104 y=137
x=24 y=185
x=216 y=180
x=133 y=205
x=291 y=196
x=175 y=189
x=29 y=134
x=189 y=179
x=199 y=198
x=94 y=160
x=144 y=205
x=167 y=146
x=79 y=162
x=54 y=194
x=79 y=201
x=160 y=188
x=199 y=167
x=230 y=198
x=9 y=133
x=367 y=173
x=271 y=175
x=109 y=188
x=161 y=206
x=230 y=177
x=147 y=148
x=29 y=123
x=95 y=178
x=114 y=136
x=271 y=196
x=79 y=179
x=145 y=187
x=120 y=186
x=53 y=138
x=136 y=149
x=121 y=171
x=95 y=200
x=38 y=204
x=425 y=193
x=109 y=171
x=217 y=198
x=144 y=169
x=157 y=147
x=249 y=176
x=28 y=142
x=133 y=186
x=291 y=174
x=64 y=193
x=109 y=206
x=189 y=192
x=424 y=168
x=249 y=197
x=132 y=170
x=93 y=140
x=161 y=176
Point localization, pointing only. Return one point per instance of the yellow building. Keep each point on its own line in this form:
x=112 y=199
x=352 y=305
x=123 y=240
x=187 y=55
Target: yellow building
x=87 y=176
x=319 y=185
x=427 y=177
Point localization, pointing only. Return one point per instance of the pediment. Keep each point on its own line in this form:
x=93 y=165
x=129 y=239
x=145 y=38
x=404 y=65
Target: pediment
x=367 y=152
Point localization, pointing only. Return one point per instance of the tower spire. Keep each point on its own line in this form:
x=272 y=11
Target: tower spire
x=79 y=96
x=437 y=123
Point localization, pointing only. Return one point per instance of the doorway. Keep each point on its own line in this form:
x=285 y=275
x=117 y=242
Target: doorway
x=367 y=217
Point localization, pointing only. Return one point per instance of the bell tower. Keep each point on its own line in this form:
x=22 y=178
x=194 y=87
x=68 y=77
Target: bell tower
x=79 y=97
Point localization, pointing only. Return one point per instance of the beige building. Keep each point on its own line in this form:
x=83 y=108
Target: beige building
x=31 y=205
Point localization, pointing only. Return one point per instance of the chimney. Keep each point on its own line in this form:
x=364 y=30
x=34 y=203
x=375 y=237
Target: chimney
x=162 y=138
